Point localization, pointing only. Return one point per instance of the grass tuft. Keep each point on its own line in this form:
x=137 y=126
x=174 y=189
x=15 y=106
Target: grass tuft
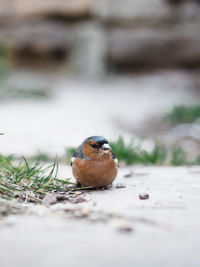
x=41 y=156
x=22 y=179
x=157 y=157
x=132 y=154
x=69 y=153
x=183 y=114
x=178 y=156
x=127 y=152
x=196 y=161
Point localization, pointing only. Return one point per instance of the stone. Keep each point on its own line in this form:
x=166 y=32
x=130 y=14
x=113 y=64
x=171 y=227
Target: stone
x=144 y=196
x=36 y=39
x=66 y=8
x=145 y=12
x=121 y=225
x=49 y=199
x=159 y=48
x=120 y=185
x=130 y=10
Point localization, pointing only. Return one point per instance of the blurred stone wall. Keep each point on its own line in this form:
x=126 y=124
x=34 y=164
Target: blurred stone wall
x=95 y=37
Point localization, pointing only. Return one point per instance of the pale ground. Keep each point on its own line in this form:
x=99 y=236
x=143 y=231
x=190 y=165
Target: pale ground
x=165 y=227
x=81 y=108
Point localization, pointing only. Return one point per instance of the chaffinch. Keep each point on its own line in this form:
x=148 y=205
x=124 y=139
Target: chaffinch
x=94 y=163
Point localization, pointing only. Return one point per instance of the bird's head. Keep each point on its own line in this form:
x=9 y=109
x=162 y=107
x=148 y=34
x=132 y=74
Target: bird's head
x=95 y=145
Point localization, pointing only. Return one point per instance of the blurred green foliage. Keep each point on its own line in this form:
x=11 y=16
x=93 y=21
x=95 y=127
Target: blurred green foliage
x=69 y=151
x=183 y=114
x=21 y=92
x=26 y=93
x=130 y=153
x=4 y=62
x=41 y=156
x=133 y=154
x=196 y=161
x=127 y=152
x=178 y=156
x=157 y=157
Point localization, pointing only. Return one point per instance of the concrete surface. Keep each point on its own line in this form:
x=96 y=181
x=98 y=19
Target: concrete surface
x=113 y=227
x=80 y=108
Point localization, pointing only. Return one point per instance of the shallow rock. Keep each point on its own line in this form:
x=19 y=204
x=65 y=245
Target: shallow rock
x=8 y=208
x=75 y=8
x=145 y=12
x=159 y=48
x=121 y=225
x=120 y=185
x=49 y=199
x=77 y=200
x=128 y=175
x=36 y=39
x=128 y=9
x=144 y=196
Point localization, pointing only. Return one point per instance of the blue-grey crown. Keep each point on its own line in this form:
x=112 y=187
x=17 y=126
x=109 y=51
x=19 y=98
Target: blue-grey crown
x=97 y=139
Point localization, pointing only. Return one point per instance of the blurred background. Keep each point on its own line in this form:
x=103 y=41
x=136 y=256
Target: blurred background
x=71 y=69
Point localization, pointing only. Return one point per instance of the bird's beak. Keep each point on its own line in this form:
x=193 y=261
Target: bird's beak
x=106 y=148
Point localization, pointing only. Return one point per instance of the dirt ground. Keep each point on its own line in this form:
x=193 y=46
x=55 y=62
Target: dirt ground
x=149 y=217
x=113 y=227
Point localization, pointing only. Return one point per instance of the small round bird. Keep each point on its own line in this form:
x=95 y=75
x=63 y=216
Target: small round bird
x=94 y=163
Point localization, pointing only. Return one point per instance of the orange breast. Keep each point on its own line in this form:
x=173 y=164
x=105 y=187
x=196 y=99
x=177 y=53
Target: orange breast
x=95 y=173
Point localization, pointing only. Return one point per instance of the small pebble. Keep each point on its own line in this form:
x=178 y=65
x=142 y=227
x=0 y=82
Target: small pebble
x=77 y=200
x=128 y=175
x=121 y=225
x=85 y=211
x=120 y=185
x=49 y=200
x=61 y=198
x=125 y=228
x=144 y=196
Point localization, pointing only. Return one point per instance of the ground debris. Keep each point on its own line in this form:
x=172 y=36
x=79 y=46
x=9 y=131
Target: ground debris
x=128 y=175
x=120 y=185
x=75 y=193
x=77 y=200
x=10 y=208
x=62 y=197
x=82 y=212
x=116 y=221
x=144 y=196
x=27 y=196
x=121 y=225
x=49 y=199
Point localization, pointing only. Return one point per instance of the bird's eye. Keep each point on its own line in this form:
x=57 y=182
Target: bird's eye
x=94 y=145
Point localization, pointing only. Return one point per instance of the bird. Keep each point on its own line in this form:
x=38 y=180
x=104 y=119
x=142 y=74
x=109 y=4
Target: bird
x=94 y=164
